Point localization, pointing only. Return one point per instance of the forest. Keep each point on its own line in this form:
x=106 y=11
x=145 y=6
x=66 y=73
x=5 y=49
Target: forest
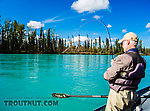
x=15 y=39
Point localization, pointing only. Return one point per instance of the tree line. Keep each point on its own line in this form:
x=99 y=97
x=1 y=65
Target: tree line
x=16 y=39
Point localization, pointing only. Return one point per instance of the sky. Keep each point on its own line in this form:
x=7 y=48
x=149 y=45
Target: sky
x=73 y=17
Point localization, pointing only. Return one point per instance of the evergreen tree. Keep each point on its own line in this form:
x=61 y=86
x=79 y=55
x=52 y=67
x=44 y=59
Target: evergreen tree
x=117 y=46
x=33 y=35
x=68 y=41
x=88 y=43
x=100 y=48
x=41 y=40
x=0 y=25
x=3 y=40
x=85 y=47
x=107 y=44
x=140 y=46
x=11 y=39
x=95 y=42
x=43 y=43
x=53 y=44
x=91 y=43
x=7 y=35
x=72 y=40
x=79 y=41
x=48 y=39
x=59 y=46
x=21 y=36
x=65 y=43
x=103 y=50
x=0 y=35
x=15 y=36
x=62 y=45
x=56 y=43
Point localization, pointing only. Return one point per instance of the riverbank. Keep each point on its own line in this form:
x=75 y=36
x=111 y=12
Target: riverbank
x=74 y=53
x=92 y=53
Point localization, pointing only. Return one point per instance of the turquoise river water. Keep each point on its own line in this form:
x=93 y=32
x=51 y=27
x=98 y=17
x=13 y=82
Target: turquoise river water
x=27 y=81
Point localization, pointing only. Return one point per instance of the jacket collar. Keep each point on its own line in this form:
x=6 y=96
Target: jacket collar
x=133 y=50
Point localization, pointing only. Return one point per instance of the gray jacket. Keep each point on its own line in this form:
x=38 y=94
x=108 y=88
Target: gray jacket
x=125 y=72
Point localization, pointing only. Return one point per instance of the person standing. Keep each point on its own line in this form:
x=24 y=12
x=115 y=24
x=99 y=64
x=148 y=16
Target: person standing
x=124 y=75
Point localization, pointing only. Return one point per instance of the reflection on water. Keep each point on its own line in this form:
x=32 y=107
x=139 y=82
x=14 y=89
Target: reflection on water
x=41 y=75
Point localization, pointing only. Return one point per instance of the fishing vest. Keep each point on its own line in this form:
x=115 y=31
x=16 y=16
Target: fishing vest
x=129 y=80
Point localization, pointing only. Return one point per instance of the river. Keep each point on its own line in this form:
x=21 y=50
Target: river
x=27 y=81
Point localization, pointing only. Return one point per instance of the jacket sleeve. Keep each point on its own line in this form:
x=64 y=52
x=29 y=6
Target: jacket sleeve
x=120 y=63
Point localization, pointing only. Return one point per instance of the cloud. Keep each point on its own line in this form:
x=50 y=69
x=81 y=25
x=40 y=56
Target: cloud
x=30 y=32
x=52 y=20
x=149 y=30
x=37 y=36
x=124 y=31
x=148 y=25
x=89 y=5
x=56 y=35
x=95 y=33
x=114 y=38
x=82 y=38
x=96 y=17
x=109 y=26
x=83 y=19
x=45 y=31
x=65 y=39
x=113 y=43
x=35 y=24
